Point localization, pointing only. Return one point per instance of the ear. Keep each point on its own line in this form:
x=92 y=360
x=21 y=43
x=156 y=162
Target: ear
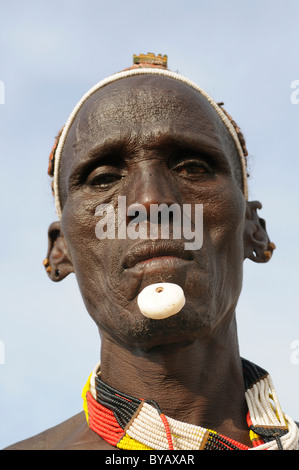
x=257 y=245
x=57 y=263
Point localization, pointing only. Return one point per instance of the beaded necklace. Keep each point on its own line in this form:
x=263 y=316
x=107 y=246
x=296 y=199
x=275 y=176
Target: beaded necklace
x=132 y=423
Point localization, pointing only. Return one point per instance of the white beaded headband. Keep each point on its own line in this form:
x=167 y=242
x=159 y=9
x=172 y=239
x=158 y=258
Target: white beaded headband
x=130 y=73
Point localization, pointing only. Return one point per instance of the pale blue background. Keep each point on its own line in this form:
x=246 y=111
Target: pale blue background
x=242 y=52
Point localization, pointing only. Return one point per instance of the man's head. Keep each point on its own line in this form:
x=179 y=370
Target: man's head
x=151 y=139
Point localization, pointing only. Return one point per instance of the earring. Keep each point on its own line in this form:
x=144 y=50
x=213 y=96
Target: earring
x=47 y=265
x=268 y=253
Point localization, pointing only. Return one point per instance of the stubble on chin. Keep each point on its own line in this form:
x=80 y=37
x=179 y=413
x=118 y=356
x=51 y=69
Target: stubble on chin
x=180 y=328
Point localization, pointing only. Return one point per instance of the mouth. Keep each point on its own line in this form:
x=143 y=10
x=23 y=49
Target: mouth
x=154 y=252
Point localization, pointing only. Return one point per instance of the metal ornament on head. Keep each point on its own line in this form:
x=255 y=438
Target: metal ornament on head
x=150 y=59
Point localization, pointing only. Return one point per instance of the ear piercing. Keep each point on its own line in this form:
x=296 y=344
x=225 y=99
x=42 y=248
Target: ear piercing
x=48 y=268
x=268 y=253
x=47 y=265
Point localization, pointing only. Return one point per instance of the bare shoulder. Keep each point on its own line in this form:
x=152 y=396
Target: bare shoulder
x=50 y=438
x=72 y=434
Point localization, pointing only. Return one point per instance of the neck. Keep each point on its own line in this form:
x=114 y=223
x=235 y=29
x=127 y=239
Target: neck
x=199 y=383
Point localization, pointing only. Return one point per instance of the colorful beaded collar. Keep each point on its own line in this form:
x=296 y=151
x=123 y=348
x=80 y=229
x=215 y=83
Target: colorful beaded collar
x=131 y=423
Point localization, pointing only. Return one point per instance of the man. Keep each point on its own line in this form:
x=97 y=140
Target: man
x=138 y=140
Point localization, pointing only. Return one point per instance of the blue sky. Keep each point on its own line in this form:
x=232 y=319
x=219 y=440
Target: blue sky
x=244 y=53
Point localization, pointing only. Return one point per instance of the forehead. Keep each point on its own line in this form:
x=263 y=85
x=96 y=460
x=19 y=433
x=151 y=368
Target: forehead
x=143 y=101
x=144 y=109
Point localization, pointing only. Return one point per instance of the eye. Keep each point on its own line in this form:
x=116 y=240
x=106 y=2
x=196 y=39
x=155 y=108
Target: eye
x=103 y=178
x=192 y=168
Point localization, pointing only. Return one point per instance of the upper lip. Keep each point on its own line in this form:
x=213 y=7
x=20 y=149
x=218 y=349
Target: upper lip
x=154 y=249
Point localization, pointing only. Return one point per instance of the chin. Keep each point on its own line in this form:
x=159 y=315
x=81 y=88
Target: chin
x=118 y=315
x=183 y=328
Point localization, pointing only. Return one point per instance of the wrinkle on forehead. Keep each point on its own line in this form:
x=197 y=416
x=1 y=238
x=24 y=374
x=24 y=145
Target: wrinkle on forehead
x=119 y=106
x=145 y=104
x=141 y=102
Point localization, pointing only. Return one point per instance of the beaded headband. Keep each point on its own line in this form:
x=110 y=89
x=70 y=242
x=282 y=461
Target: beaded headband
x=144 y=65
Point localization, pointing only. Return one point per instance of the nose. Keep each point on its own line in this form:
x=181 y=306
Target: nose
x=152 y=185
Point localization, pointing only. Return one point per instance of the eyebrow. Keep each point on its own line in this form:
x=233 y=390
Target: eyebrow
x=116 y=150
x=108 y=149
x=201 y=144
x=190 y=140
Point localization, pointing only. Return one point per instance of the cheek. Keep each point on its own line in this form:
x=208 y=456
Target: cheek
x=96 y=261
x=88 y=253
x=223 y=222
x=227 y=239
x=78 y=229
x=224 y=218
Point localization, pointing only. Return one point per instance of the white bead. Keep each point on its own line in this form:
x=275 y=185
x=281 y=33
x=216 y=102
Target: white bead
x=161 y=300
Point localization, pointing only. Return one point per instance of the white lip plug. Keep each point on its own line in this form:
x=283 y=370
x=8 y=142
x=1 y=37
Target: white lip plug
x=162 y=300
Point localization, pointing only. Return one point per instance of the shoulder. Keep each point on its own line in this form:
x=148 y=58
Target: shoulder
x=50 y=438
x=70 y=434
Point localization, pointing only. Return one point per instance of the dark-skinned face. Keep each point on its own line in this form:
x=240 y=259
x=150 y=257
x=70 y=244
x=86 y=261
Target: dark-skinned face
x=153 y=140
